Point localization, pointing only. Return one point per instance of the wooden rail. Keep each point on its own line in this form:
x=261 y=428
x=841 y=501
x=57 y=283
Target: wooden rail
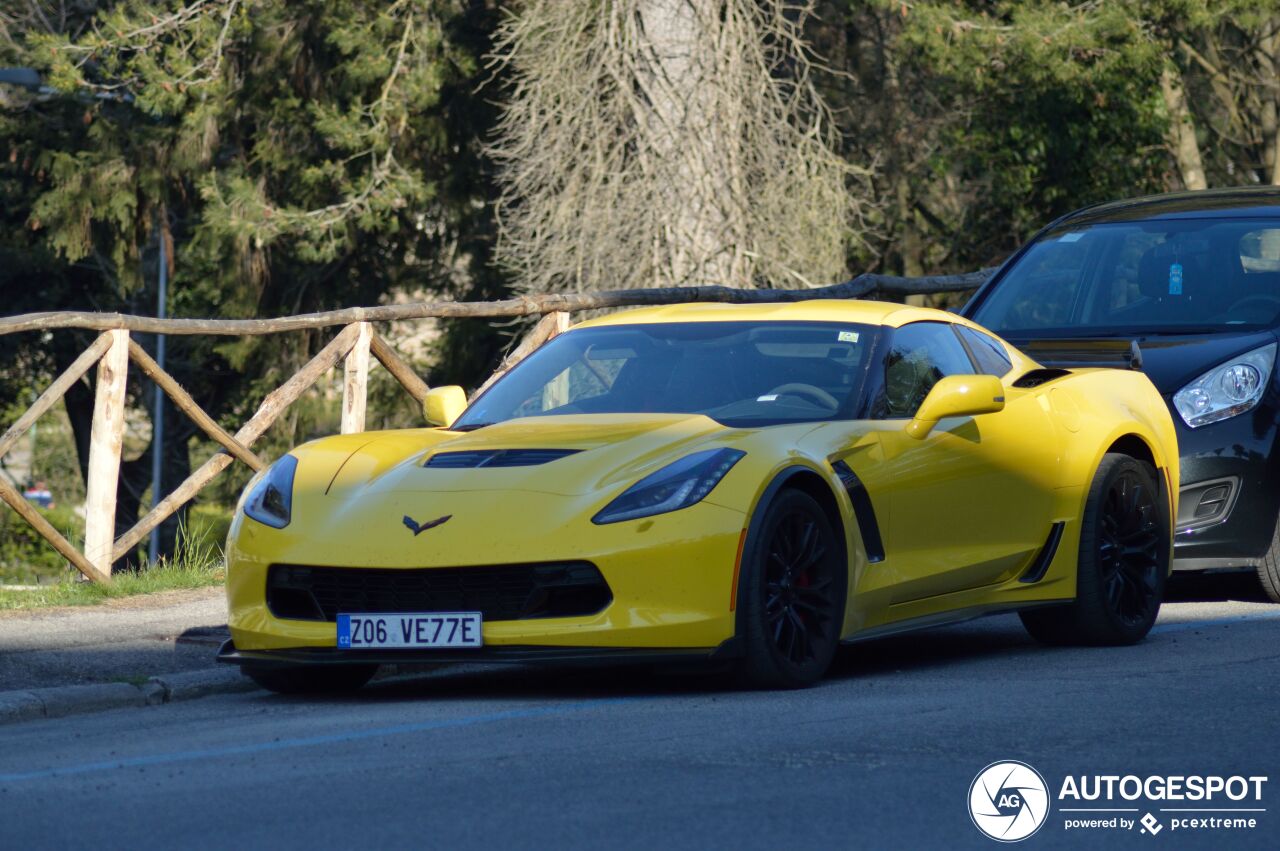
x=357 y=346
x=863 y=285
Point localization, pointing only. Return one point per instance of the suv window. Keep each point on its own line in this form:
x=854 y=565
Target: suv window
x=986 y=350
x=919 y=356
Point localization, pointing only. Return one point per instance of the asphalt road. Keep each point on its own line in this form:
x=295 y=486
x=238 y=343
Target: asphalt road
x=881 y=755
x=124 y=639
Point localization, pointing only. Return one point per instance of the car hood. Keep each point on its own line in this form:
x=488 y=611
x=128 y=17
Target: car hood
x=599 y=451
x=1171 y=361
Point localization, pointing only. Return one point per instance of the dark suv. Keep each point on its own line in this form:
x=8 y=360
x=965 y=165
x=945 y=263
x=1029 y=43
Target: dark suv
x=1185 y=287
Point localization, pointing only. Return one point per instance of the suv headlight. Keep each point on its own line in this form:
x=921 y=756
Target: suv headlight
x=270 y=501
x=677 y=485
x=1227 y=390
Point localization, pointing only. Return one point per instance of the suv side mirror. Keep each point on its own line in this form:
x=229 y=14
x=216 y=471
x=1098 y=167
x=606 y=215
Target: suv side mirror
x=957 y=396
x=442 y=405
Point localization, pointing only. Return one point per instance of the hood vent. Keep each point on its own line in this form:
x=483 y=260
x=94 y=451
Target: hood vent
x=471 y=459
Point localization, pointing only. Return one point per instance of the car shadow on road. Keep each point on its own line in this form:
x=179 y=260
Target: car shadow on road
x=469 y=682
x=917 y=652
x=936 y=648
x=1240 y=586
x=933 y=648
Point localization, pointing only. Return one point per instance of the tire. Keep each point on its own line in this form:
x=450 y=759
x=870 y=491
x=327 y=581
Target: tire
x=1124 y=561
x=318 y=679
x=1269 y=568
x=791 y=595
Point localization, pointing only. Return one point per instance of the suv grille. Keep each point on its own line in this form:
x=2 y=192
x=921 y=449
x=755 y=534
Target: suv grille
x=499 y=593
x=497 y=458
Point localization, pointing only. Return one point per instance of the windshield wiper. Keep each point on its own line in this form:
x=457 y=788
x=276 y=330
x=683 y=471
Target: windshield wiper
x=472 y=426
x=1193 y=329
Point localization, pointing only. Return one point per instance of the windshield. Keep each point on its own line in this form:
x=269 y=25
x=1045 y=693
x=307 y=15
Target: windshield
x=1184 y=276
x=738 y=373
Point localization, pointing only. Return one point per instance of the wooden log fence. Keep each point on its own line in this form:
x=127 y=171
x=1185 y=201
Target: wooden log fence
x=357 y=346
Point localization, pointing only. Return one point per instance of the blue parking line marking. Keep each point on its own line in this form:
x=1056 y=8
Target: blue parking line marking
x=309 y=741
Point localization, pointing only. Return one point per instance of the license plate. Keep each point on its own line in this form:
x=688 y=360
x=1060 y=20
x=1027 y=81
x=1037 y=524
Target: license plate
x=425 y=629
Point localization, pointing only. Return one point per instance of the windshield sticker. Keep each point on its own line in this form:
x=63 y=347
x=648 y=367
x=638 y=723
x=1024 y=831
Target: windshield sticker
x=772 y=397
x=1175 y=279
x=848 y=337
x=1071 y=237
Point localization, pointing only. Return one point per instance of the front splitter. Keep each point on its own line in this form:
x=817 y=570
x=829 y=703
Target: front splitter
x=496 y=654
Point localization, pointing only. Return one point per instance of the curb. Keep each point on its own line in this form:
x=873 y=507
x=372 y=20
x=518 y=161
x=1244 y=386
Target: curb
x=59 y=701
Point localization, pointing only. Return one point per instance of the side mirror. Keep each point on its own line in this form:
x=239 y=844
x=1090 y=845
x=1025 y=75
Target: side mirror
x=442 y=405
x=957 y=396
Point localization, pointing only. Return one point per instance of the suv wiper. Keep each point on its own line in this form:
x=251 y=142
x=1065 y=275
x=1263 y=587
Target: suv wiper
x=1192 y=329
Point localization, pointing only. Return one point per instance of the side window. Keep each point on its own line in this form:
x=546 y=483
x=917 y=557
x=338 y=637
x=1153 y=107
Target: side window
x=1260 y=251
x=919 y=356
x=991 y=357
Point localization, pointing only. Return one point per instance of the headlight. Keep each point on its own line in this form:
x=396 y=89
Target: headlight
x=1227 y=390
x=270 y=501
x=677 y=485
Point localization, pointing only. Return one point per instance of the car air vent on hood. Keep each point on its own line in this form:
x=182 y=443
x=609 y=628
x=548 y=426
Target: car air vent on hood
x=497 y=458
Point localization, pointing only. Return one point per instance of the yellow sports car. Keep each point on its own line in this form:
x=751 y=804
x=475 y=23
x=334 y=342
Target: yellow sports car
x=745 y=484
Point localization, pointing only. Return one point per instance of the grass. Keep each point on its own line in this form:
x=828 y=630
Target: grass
x=196 y=563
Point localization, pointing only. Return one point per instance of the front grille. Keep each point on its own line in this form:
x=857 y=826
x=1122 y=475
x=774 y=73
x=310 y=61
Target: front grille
x=497 y=458
x=499 y=592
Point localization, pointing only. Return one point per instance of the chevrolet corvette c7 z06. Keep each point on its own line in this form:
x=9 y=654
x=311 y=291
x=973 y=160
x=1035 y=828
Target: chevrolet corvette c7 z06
x=746 y=484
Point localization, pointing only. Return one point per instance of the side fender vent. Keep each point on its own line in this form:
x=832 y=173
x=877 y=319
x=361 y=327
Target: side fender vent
x=1036 y=377
x=1044 y=558
x=863 y=512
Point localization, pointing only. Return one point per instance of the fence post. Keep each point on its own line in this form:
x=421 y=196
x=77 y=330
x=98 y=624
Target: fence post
x=355 y=387
x=106 y=441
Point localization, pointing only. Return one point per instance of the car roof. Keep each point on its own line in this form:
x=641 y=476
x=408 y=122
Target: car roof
x=1233 y=203
x=815 y=310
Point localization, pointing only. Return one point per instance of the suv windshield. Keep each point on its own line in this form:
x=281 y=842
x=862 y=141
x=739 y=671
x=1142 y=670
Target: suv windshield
x=738 y=373
x=1181 y=276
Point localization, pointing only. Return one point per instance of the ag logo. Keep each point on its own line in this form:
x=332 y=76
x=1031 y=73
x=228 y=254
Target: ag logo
x=1008 y=801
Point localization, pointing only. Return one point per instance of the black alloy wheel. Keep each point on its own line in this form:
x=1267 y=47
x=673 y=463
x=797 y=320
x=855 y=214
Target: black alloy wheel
x=1129 y=548
x=1125 y=546
x=792 y=594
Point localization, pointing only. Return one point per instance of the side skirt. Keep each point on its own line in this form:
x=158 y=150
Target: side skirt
x=946 y=619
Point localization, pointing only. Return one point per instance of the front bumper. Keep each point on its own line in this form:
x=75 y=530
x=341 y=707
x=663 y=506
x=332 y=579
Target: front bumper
x=1243 y=453
x=670 y=577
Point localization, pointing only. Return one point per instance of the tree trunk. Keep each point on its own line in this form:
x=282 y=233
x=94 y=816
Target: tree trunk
x=1182 y=130
x=175 y=466
x=1271 y=104
x=695 y=139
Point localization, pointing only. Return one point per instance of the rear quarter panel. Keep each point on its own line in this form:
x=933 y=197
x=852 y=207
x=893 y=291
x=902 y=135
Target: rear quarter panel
x=1098 y=408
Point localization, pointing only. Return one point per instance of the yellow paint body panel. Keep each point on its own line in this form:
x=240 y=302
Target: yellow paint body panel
x=962 y=513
